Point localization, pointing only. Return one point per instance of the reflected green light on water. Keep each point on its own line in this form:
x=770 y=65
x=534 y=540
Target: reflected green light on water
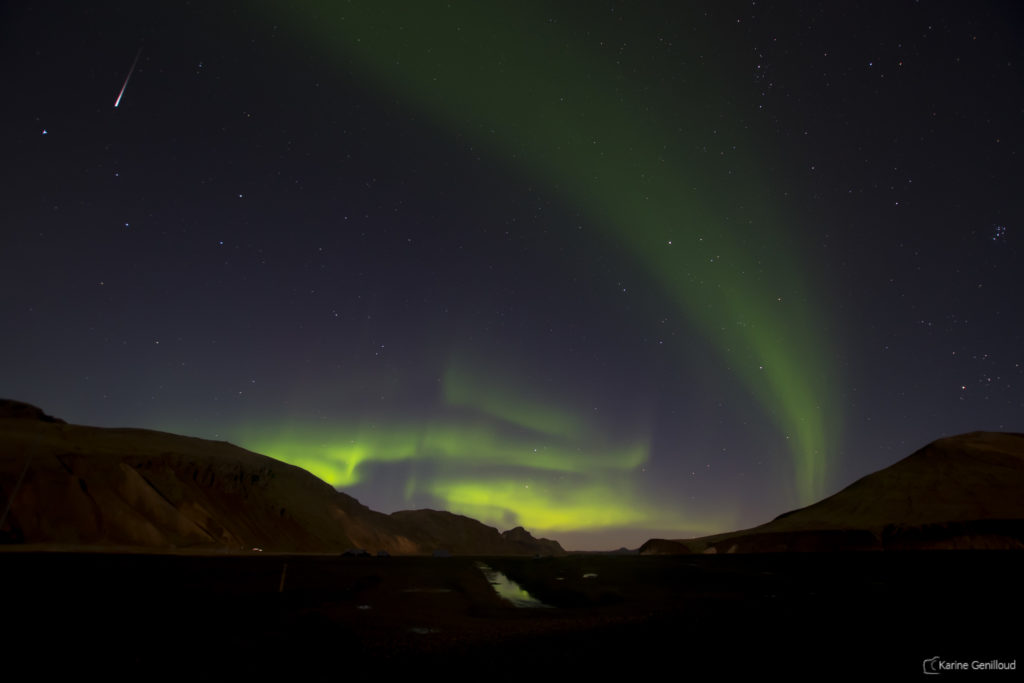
x=509 y=590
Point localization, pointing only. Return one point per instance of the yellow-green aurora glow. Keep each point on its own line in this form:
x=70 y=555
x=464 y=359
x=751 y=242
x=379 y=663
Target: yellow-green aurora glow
x=546 y=104
x=493 y=454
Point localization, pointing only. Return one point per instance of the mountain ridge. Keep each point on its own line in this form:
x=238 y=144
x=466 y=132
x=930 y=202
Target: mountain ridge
x=127 y=487
x=964 y=491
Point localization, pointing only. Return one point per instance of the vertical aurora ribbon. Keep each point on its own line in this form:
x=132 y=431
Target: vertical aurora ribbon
x=671 y=178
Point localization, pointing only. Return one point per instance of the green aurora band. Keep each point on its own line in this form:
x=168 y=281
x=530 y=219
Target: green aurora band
x=501 y=455
x=334 y=454
x=605 y=138
x=507 y=461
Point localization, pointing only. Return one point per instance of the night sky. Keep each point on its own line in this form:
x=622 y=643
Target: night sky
x=605 y=270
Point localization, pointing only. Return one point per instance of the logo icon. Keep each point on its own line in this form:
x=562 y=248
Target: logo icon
x=931 y=666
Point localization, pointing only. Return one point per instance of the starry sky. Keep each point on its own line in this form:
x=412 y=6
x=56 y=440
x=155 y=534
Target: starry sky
x=605 y=270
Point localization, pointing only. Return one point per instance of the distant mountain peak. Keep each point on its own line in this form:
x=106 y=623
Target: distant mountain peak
x=527 y=541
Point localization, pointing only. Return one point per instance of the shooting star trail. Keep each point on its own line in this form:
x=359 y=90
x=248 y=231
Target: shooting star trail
x=130 y=71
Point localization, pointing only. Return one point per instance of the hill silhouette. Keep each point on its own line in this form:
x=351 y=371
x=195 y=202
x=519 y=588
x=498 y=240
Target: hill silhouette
x=75 y=486
x=963 y=491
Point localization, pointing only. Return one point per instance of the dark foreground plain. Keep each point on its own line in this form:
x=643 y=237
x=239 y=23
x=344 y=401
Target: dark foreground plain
x=815 y=616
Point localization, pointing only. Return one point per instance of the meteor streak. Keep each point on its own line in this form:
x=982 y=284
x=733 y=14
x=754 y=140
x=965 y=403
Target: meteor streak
x=120 y=94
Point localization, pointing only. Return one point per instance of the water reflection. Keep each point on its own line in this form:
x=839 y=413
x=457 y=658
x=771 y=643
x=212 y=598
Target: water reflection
x=508 y=589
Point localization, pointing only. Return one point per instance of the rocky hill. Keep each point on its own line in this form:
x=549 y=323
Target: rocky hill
x=70 y=485
x=964 y=491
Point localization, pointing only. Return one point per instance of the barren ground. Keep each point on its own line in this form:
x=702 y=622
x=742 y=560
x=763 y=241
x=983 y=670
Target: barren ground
x=816 y=616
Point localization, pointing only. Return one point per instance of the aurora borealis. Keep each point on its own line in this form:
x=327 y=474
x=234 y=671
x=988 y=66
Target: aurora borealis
x=576 y=121
x=604 y=270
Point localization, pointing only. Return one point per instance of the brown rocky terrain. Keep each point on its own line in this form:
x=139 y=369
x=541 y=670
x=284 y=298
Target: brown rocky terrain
x=960 y=492
x=76 y=486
